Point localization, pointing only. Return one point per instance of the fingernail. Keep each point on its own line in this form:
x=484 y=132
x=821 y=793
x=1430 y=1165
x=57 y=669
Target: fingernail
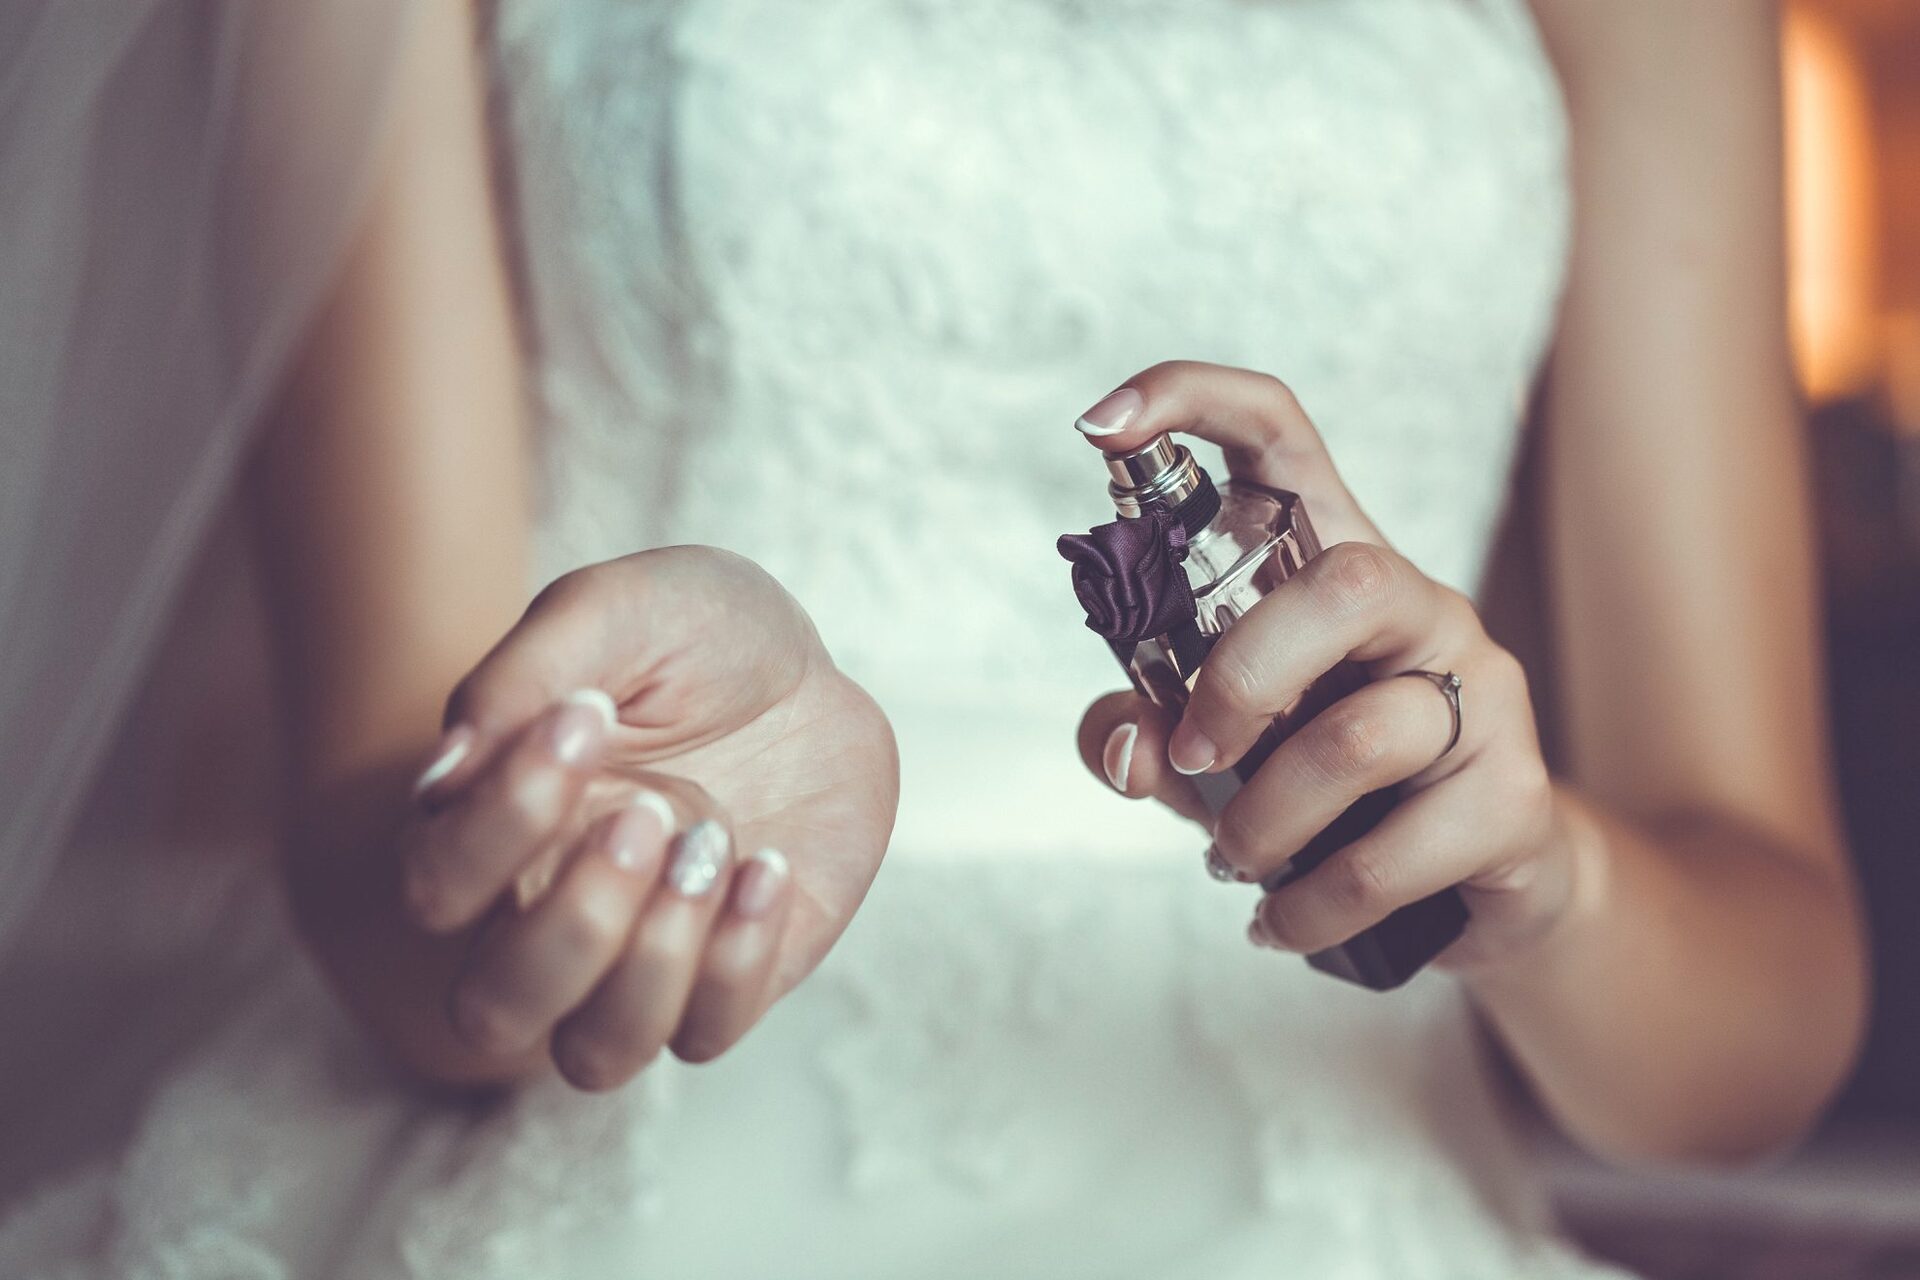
x=455 y=745
x=1190 y=751
x=1117 y=756
x=1257 y=934
x=1220 y=869
x=1111 y=416
x=699 y=856
x=641 y=832
x=761 y=880
x=578 y=727
x=601 y=701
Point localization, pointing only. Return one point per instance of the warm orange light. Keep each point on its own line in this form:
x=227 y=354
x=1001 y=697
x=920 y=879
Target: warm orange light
x=1830 y=208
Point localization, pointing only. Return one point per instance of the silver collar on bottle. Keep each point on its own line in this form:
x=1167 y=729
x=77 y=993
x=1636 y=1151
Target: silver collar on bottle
x=1158 y=471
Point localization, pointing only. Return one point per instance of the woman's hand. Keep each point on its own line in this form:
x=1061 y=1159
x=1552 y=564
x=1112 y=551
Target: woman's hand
x=1481 y=815
x=660 y=803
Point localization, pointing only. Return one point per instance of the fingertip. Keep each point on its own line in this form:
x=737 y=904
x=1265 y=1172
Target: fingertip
x=638 y=835
x=576 y=728
x=454 y=749
x=652 y=802
x=1190 y=751
x=600 y=702
x=1109 y=419
x=761 y=884
x=701 y=858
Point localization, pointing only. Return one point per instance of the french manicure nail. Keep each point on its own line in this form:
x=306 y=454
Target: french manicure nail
x=1111 y=416
x=642 y=830
x=699 y=856
x=1219 y=868
x=1117 y=757
x=1189 y=751
x=576 y=730
x=455 y=745
x=600 y=701
x=761 y=879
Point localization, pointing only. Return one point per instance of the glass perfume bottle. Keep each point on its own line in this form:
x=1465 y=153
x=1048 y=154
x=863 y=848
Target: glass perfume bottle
x=1242 y=540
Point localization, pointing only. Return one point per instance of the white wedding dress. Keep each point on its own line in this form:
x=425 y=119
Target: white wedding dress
x=826 y=283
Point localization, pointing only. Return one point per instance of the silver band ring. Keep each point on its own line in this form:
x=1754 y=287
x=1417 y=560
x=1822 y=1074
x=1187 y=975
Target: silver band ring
x=1449 y=687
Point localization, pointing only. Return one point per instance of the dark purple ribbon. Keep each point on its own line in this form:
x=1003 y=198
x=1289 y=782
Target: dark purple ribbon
x=1128 y=578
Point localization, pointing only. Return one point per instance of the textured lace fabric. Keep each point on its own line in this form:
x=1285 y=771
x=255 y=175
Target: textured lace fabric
x=826 y=283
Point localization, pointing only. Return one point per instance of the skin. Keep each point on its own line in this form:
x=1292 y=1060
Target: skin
x=1665 y=938
x=518 y=916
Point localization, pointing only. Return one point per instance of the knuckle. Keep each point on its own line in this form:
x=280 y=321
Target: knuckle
x=1235 y=679
x=1353 y=743
x=655 y=950
x=1362 y=884
x=1504 y=671
x=1454 y=601
x=592 y=924
x=567 y=591
x=1359 y=576
x=729 y=967
x=1530 y=785
x=1274 y=389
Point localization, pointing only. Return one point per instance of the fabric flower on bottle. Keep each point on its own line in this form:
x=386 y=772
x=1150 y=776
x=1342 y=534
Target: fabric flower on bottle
x=1127 y=576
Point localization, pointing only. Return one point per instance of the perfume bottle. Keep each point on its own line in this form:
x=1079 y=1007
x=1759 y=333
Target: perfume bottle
x=1187 y=560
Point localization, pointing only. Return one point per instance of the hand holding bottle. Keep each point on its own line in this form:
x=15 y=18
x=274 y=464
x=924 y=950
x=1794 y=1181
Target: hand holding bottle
x=1479 y=813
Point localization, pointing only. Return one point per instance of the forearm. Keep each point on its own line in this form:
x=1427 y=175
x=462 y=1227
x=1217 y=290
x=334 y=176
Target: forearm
x=1700 y=998
x=388 y=497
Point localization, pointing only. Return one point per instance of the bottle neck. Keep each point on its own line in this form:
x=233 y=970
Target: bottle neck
x=1161 y=475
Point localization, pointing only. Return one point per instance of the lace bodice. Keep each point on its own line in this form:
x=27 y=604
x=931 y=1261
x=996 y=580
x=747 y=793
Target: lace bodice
x=826 y=284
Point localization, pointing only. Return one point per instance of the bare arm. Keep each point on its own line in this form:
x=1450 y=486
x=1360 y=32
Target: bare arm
x=1706 y=992
x=1667 y=940
x=656 y=802
x=391 y=510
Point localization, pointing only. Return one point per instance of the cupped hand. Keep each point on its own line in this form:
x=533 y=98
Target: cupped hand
x=660 y=802
x=1481 y=816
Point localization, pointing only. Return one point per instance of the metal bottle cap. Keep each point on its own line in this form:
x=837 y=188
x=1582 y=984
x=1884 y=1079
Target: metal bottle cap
x=1158 y=471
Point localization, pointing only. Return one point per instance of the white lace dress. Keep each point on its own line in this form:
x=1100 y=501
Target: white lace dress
x=827 y=283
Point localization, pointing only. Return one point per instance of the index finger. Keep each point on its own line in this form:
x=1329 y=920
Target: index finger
x=1254 y=418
